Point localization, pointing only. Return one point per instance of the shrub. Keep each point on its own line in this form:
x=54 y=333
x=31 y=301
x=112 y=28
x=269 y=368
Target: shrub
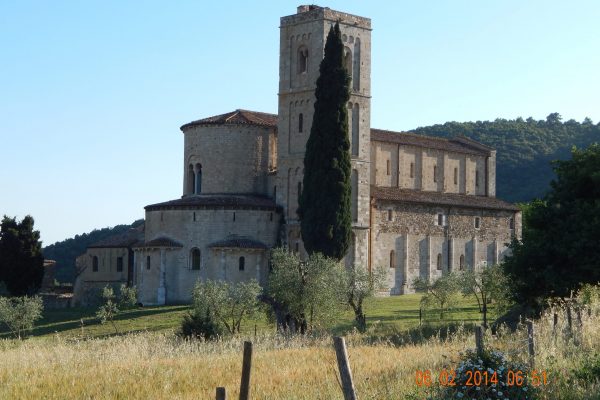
x=505 y=379
x=198 y=325
x=20 y=313
x=590 y=369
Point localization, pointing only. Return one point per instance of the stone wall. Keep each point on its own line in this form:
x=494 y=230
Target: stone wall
x=412 y=232
x=421 y=168
x=199 y=228
x=234 y=158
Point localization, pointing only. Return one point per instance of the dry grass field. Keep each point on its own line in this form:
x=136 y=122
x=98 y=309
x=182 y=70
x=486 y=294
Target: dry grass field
x=158 y=365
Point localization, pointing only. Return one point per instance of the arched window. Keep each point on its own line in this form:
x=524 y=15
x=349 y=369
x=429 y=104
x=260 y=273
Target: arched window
x=439 y=261
x=461 y=264
x=354 y=194
x=300 y=122
x=390 y=215
x=412 y=170
x=198 y=184
x=95 y=264
x=147 y=262
x=477 y=222
x=241 y=263
x=356 y=66
x=348 y=61
x=195 y=258
x=456 y=176
x=511 y=223
x=392 y=259
x=302 y=59
x=387 y=167
x=476 y=178
x=355 y=127
x=435 y=173
x=191 y=179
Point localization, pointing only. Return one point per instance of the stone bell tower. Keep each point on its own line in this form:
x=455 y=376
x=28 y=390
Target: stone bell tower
x=302 y=43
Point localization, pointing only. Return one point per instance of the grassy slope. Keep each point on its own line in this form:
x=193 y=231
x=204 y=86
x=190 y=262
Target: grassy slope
x=389 y=313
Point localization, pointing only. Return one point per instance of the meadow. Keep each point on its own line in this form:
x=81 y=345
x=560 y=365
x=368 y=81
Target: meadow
x=64 y=360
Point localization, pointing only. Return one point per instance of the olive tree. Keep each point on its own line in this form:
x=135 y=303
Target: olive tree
x=440 y=292
x=20 y=313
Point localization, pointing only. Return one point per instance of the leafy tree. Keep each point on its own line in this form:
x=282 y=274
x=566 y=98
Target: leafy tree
x=361 y=284
x=440 y=292
x=559 y=250
x=20 y=313
x=112 y=304
x=199 y=324
x=324 y=204
x=21 y=260
x=224 y=303
x=486 y=285
x=310 y=292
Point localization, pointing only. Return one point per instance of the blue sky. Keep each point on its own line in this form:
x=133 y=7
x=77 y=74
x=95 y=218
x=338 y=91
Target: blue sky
x=92 y=94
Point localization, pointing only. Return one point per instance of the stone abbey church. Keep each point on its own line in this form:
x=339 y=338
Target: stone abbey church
x=421 y=206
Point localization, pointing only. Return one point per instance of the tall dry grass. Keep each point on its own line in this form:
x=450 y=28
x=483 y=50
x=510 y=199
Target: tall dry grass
x=162 y=366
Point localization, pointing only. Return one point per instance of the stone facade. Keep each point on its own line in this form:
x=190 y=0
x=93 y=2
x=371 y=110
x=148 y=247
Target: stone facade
x=421 y=206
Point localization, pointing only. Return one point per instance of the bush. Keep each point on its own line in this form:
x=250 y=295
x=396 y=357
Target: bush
x=20 y=313
x=505 y=380
x=590 y=369
x=197 y=325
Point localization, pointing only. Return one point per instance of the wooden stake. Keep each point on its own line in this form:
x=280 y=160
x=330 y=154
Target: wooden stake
x=479 y=339
x=246 y=367
x=221 y=393
x=344 y=366
x=531 y=344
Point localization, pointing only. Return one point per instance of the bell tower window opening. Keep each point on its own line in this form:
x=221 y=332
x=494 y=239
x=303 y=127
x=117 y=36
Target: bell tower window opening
x=302 y=60
x=348 y=61
x=198 y=181
x=300 y=122
x=196 y=258
x=191 y=176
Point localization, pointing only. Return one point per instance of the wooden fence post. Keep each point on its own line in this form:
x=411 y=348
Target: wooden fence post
x=221 y=393
x=246 y=367
x=531 y=344
x=569 y=320
x=344 y=366
x=479 y=339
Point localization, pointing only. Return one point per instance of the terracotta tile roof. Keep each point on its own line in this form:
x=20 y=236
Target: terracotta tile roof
x=459 y=144
x=237 y=117
x=162 y=241
x=238 y=242
x=216 y=201
x=442 y=199
x=125 y=239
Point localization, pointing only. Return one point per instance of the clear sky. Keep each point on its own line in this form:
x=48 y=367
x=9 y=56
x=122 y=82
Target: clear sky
x=92 y=93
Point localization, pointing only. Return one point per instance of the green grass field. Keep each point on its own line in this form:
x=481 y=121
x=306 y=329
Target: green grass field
x=384 y=314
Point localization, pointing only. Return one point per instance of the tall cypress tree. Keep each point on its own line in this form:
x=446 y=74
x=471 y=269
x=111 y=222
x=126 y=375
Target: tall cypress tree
x=325 y=204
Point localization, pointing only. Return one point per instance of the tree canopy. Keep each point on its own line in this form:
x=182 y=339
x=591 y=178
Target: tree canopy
x=559 y=250
x=324 y=204
x=21 y=260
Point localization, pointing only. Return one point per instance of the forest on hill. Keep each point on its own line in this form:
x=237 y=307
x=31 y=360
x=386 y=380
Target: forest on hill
x=525 y=149
x=65 y=252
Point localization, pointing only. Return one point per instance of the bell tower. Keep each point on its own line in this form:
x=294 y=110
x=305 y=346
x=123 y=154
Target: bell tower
x=301 y=47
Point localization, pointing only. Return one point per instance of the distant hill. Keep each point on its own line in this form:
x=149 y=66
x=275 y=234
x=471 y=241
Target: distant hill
x=65 y=252
x=525 y=149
